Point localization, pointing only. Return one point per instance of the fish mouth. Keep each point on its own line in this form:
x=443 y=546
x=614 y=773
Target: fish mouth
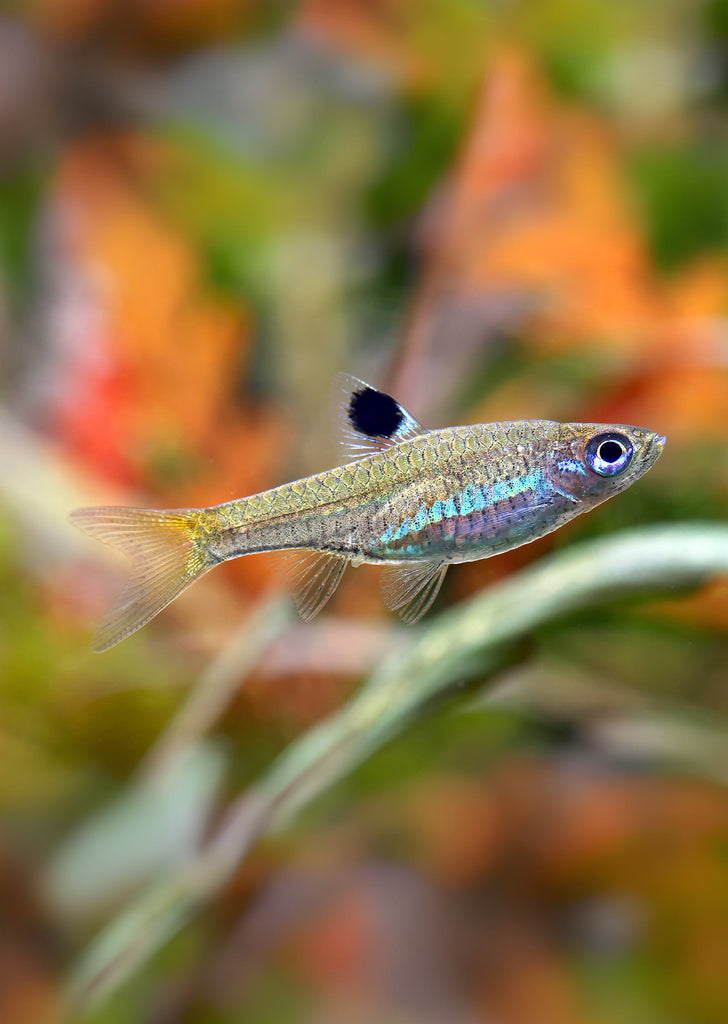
x=657 y=445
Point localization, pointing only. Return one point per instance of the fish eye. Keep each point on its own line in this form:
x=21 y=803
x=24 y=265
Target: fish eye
x=608 y=454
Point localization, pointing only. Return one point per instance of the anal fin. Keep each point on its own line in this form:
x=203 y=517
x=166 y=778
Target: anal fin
x=314 y=576
x=409 y=590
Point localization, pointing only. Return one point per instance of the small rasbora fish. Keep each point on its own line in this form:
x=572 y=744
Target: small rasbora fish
x=410 y=499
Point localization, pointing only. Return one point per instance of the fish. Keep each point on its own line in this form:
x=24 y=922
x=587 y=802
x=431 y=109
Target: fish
x=408 y=498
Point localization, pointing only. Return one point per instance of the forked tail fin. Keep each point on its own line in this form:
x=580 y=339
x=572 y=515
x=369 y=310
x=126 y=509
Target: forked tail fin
x=167 y=553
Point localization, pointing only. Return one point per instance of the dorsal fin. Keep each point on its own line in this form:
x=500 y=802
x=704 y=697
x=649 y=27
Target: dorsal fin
x=371 y=420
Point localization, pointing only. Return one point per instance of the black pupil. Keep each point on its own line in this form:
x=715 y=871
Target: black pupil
x=611 y=451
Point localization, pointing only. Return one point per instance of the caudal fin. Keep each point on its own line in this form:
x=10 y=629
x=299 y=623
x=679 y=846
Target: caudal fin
x=166 y=554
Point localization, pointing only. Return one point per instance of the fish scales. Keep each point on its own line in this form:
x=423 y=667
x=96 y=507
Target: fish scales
x=443 y=492
x=413 y=500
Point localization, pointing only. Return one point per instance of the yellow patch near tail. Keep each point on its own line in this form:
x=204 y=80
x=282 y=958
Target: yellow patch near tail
x=166 y=557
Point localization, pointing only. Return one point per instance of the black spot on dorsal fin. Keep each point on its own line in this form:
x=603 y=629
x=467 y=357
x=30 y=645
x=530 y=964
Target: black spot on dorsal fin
x=371 y=420
x=374 y=413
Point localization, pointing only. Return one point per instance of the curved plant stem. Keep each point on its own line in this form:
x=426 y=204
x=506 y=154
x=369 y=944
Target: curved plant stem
x=471 y=640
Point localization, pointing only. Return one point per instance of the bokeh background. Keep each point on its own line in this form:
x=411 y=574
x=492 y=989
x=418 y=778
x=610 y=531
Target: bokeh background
x=497 y=210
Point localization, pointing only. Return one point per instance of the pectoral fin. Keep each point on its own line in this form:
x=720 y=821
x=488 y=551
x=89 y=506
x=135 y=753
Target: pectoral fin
x=371 y=420
x=314 y=576
x=505 y=517
x=409 y=590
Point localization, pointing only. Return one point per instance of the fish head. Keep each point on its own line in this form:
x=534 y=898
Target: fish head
x=593 y=461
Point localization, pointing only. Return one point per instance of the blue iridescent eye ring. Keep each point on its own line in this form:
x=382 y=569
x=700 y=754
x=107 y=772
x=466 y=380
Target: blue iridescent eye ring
x=608 y=454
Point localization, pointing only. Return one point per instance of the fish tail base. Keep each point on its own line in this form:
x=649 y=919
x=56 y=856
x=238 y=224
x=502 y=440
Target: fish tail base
x=167 y=550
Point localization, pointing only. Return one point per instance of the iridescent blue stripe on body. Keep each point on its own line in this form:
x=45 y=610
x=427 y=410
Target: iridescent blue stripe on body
x=473 y=519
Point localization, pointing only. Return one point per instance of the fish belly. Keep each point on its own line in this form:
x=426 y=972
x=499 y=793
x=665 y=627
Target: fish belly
x=468 y=525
